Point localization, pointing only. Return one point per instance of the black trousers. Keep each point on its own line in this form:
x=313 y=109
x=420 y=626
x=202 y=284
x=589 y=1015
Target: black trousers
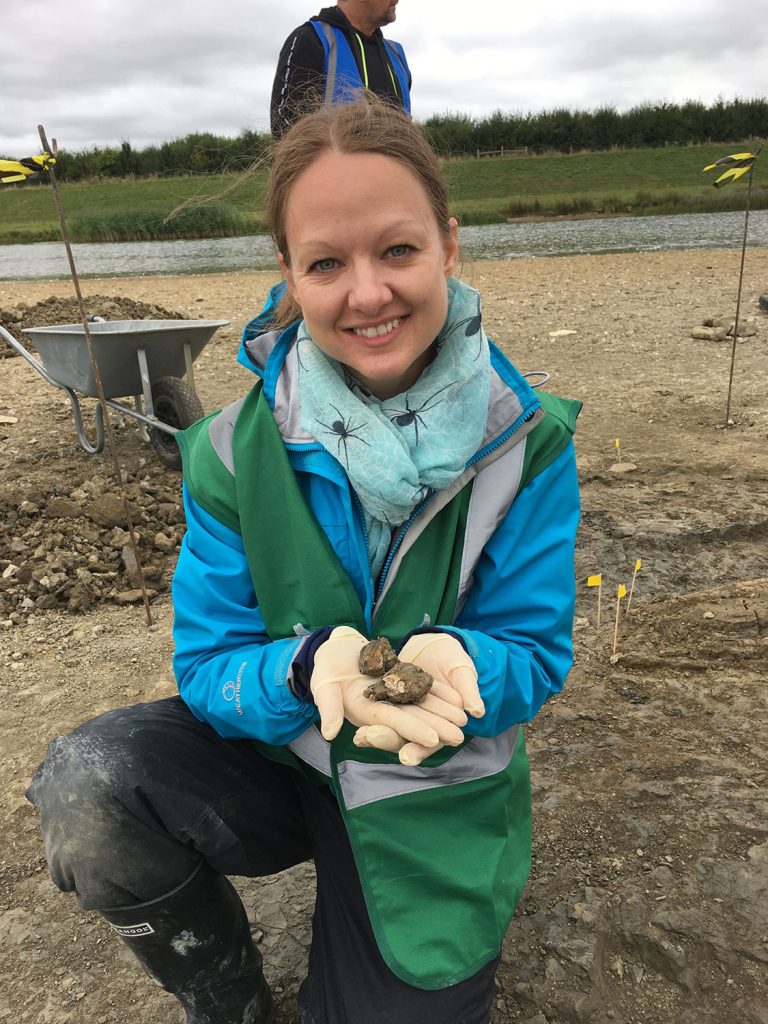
x=132 y=800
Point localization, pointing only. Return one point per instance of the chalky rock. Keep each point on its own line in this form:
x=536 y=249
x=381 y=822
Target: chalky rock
x=708 y=333
x=403 y=684
x=377 y=657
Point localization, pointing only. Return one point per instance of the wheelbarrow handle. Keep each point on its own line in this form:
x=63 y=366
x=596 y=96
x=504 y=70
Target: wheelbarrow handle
x=18 y=347
x=92 y=449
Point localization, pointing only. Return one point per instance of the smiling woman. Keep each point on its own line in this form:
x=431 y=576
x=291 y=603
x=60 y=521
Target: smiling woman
x=390 y=474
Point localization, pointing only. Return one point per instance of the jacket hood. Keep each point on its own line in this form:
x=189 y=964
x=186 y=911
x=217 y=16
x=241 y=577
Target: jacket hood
x=336 y=17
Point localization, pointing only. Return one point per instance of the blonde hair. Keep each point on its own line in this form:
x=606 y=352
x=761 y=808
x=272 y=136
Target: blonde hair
x=365 y=126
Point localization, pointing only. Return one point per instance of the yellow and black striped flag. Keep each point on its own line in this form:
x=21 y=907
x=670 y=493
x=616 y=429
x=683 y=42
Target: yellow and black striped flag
x=737 y=164
x=24 y=170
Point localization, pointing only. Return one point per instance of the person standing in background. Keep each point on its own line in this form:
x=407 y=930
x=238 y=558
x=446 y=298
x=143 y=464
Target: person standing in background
x=331 y=57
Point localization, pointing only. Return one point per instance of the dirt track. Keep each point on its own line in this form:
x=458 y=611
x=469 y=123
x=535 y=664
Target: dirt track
x=649 y=899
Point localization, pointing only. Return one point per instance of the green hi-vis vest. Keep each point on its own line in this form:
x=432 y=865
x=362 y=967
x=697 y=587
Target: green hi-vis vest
x=443 y=848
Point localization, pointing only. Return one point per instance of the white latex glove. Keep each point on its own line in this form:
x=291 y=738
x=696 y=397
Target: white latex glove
x=338 y=688
x=383 y=738
x=447 y=662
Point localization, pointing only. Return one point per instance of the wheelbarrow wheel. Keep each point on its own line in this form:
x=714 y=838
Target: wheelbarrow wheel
x=177 y=404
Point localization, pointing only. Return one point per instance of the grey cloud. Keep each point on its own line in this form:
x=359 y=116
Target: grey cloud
x=589 y=42
x=99 y=71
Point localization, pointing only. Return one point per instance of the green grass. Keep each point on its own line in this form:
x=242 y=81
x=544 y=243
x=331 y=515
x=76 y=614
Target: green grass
x=665 y=180
x=28 y=214
x=214 y=220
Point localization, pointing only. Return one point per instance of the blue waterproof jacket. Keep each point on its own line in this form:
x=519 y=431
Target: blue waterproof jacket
x=516 y=612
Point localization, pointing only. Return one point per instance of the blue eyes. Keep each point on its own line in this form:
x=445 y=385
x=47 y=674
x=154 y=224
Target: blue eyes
x=324 y=265
x=328 y=263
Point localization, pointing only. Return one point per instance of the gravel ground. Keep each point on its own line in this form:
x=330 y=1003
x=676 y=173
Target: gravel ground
x=649 y=895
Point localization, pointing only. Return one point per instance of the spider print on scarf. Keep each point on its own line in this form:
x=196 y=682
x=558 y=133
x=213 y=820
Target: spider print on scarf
x=471 y=324
x=343 y=431
x=406 y=416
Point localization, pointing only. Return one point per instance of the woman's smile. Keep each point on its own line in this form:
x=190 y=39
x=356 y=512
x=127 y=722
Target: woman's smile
x=381 y=333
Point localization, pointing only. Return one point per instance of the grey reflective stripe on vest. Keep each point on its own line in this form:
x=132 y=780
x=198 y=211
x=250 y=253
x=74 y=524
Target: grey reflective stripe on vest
x=220 y=432
x=493 y=492
x=314 y=750
x=363 y=784
x=330 y=74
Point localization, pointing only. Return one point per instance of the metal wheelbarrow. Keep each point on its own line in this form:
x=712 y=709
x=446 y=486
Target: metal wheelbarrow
x=142 y=359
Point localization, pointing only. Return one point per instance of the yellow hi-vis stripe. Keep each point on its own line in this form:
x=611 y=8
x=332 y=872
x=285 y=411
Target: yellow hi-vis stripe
x=362 y=56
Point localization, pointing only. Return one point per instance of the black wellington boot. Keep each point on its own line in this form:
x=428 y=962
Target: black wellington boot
x=195 y=942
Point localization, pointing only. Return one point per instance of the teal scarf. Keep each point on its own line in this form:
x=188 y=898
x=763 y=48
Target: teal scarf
x=395 y=452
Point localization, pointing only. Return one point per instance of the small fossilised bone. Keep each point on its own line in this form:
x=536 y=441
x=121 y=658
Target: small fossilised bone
x=377 y=657
x=403 y=684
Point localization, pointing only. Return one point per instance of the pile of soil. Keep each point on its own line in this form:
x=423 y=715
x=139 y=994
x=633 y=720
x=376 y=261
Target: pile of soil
x=57 y=310
x=69 y=547
x=648 y=901
x=66 y=545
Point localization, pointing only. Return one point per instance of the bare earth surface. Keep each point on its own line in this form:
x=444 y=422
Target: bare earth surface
x=649 y=896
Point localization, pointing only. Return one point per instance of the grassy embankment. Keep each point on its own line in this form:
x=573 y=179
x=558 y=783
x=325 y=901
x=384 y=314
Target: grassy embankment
x=491 y=190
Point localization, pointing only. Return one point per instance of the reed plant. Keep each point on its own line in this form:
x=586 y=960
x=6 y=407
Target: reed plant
x=213 y=220
x=643 y=202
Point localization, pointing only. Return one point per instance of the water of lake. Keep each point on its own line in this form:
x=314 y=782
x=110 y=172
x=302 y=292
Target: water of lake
x=492 y=241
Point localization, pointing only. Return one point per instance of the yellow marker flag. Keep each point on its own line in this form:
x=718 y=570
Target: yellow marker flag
x=595 y=581
x=736 y=164
x=24 y=170
x=638 y=564
x=622 y=591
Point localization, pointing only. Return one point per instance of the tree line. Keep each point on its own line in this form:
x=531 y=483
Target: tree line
x=453 y=134
x=197 y=153
x=647 y=125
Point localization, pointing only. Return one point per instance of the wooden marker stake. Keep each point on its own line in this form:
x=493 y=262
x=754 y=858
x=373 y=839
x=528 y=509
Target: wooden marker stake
x=622 y=592
x=638 y=565
x=597 y=581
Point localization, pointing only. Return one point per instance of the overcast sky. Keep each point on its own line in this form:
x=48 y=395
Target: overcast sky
x=96 y=72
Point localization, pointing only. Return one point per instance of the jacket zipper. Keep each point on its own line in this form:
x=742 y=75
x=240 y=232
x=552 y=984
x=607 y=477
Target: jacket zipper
x=503 y=438
x=359 y=506
x=396 y=544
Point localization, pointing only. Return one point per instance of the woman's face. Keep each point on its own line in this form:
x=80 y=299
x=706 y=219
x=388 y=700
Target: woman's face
x=368 y=266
